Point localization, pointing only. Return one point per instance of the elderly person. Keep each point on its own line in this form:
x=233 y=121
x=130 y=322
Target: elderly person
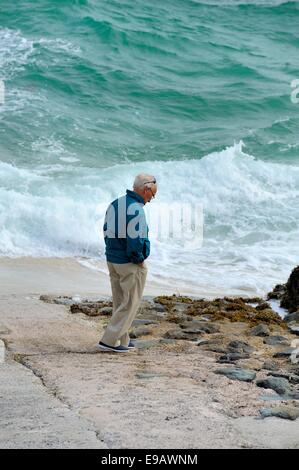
x=127 y=247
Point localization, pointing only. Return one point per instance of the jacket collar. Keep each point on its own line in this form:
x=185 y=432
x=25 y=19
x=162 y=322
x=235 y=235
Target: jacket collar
x=135 y=196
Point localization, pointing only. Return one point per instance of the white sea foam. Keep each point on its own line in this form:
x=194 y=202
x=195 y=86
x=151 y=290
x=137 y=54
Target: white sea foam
x=69 y=159
x=275 y=305
x=58 y=44
x=251 y=216
x=52 y=147
x=14 y=52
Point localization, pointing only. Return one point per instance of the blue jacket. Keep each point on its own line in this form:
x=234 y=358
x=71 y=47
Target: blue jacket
x=126 y=231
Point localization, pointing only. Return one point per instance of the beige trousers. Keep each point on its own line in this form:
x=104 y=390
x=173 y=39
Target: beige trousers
x=127 y=284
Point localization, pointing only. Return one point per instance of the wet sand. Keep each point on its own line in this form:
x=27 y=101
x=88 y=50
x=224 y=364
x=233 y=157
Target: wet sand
x=65 y=276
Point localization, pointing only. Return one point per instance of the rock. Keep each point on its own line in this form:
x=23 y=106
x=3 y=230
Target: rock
x=143 y=344
x=231 y=309
x=60 y=299
x=106 y=311
x=75 y=308
x=260 y=330
x=176 y=317
x=263 y=306
x=215 y=349
x=209 y=311
x=244 y=375
x=179 y=334
x=210 y=342
x=240 y=346
x=196 y=331
x=206 y=318
x=274 y=340
x=280 y=386
x=268 y=316
x=179 y=307
x=214 y=345
x=290 y=299
x=47 y=298
x=292 y=317
x=141 y=321
x=204 y=342
x=167 y=341
x=254 y=300
x=91 y=309
x=151 y=315
x=141 y=331
x=160 y=308
x=284 y=412
x=208 y=328
x=285 y=352
x=278 y=292
x=291 y=378
x=170 y=301
x=270 y=365
x=294 y=329
x=252 y=364
x=231 y=357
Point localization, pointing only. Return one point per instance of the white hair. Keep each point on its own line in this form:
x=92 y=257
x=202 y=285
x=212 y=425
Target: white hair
x=143 y=178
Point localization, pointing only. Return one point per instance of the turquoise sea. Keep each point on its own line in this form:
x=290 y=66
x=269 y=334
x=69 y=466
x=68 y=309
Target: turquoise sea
x=197 y=93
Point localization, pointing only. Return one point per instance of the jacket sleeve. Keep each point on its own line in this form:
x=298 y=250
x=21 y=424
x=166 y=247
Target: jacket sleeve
x=135 y=249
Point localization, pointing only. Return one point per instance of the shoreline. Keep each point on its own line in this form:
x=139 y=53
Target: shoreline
x=53 y=275
x=71 y=276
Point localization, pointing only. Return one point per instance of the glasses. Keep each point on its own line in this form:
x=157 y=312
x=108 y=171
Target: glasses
x=153 y=196
x=151 y=182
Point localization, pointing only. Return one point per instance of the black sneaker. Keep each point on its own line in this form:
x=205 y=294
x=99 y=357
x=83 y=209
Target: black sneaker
x=131 y=345
x=117 y=349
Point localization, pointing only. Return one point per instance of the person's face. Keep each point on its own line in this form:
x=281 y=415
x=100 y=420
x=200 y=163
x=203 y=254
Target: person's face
x=150 y=192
